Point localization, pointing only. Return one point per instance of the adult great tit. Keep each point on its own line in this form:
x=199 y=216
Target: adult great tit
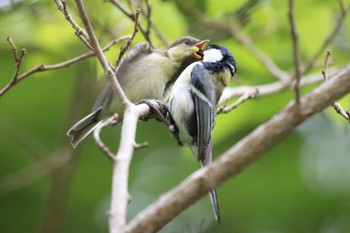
x=193 y=102
x=144 y=73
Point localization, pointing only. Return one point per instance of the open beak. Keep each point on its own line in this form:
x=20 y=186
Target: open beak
x=198 y=48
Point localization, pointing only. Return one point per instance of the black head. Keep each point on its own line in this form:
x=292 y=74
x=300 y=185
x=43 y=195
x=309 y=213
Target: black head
x=220 y=55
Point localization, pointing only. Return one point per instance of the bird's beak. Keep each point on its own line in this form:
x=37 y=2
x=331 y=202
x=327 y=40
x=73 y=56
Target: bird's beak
x=198 y=48
x=202 y=44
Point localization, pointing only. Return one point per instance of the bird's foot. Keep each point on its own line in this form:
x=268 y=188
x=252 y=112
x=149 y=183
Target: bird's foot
x=159 y=110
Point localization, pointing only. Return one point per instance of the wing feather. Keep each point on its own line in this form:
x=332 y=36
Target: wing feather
x=205 y=107
x=136 y=52
x=204 y=102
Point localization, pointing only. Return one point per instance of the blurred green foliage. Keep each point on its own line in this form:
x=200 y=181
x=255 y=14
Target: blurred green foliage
x=302 y=185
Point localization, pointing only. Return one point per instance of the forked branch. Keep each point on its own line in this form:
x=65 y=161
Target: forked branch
x=40 y=68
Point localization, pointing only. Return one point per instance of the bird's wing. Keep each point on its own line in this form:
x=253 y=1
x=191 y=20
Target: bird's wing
x=104 y=98
x=205 y=107
x=136 y=52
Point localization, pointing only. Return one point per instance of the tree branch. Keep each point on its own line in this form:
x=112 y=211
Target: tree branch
x=329 y=39
x=234 y=160
x=249 y=94
x=121 y=163
x=100 y=56
x=120 y=196
x=128 y=43
x=296 y=51
x=148 y=16
x=337 y=107
x=83 y=36
x=18 y=58
x=259 y=55
x=147 y=13
x=110 y=121
x=131 y=16
x=244 y=40
x=41 y=67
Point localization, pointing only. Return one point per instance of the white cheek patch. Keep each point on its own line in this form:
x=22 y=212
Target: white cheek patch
x=212 y=55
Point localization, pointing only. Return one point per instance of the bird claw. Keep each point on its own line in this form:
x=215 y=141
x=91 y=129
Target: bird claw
x=159 y=110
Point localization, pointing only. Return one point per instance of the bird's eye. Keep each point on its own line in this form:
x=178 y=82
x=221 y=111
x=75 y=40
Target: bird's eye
x=187 y=42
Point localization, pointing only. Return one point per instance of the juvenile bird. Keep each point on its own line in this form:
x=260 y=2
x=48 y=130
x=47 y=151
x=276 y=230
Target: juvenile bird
x=193 y=103
x=144 y=73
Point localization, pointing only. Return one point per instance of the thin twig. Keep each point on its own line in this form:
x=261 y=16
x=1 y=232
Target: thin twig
x=329 y=39
x=83 y=36
x=41 y=67
x=14 y=48
x=337 y=107
x=125 y=47
x=325 y=64
x=244 y=40
x=238 y=157
x=110 y=121
x=131 y=16
x=270 y=88
x=140 y=145
x=159 y=34
x=18 y=58
x=130 y=3
x=259 y=55
x=151 y=24
x=296 y=50
x=243 y=98
x=100 y=56
x=348 y=113
x=148 y=16
x=122 y=8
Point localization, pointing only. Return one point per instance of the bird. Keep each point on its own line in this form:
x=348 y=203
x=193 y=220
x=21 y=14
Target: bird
x=144 y=73
x=193 y=102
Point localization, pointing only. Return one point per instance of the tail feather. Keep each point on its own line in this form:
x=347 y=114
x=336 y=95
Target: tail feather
x=80 y=130
x=215 y=203
x=212 y=193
